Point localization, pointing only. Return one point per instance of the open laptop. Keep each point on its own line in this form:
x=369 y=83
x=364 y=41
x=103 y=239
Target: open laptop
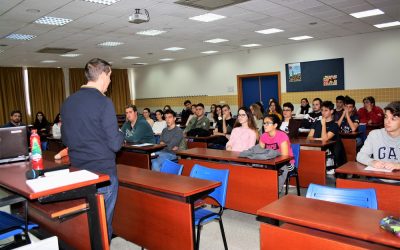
x=13 y=144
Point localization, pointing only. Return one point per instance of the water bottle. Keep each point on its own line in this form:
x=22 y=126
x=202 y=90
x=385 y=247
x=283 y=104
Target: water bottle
x=36 y=151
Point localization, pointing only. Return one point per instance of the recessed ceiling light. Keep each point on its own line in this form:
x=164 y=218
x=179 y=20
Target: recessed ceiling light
x=297 y=38
x=130 y=57
x=150 y=32
x=110 y=44
x=251 y=45
x=166 y=59
x=49 y=20
x=367 y=13
x=386 y=25
x=1 y=51
x=209 y=17
x=70 y=55
x=174 y=48
x=209 y=52
x=105 y=2
x=269 y=31
x=139 y=64
x=48 y=61
x=216 y=40
x=20 y=37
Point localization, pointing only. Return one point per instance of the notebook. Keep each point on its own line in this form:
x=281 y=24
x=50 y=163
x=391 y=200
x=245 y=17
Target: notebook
x=13 y=144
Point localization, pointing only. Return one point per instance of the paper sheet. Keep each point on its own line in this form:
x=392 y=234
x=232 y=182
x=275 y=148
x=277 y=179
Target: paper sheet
x=370 y=168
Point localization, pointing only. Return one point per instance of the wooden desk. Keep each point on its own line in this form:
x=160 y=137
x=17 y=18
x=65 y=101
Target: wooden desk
x=350 y=144
x=135 y=156
x=12 y=178
x=312 y=165
x=156 y=210
x=54 y=145
x=388 y=194
x=350 y=222
x=200 y=142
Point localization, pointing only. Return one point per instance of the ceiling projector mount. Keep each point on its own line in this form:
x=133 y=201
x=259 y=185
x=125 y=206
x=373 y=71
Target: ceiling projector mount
x=140 y=16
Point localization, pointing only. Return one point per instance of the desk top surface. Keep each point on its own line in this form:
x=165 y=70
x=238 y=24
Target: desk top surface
x=356 y=168
x=178 y=185
x=12 y=177
x=225 y=155
x=312 y=143
x=352 y=221
x=150 y=148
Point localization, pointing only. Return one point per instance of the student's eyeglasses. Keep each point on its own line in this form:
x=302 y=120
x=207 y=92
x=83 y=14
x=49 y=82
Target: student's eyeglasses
x=268 y=123
x=242 y=115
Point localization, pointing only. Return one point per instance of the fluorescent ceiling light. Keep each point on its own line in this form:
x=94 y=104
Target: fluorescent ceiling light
x=269 y=31
x=174 y=48
x=216 y=40
x=110 y=44
x=166 y=59
x=386 y=25
x=367 y=13
x=139 y=64
x=251 y=45
x=1 y=51
x=105 y=2
x=150 y=32
x=209 y=17
x=297 y=38
x=130 y=57
x=70 y=55
x=209 y=52
x=20 y=37
x=53 y=20
x=48 y=61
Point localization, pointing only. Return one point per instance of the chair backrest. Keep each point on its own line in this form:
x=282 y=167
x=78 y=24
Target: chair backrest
x=171 y=167
x=362 y=128
x=350 y=196
x=221 y=175
x=296 y=154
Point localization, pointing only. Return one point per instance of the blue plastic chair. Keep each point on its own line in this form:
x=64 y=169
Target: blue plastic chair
x=350 y=196
x=14 y=226
x=171 y=167
x=203 y=215
x=294 y=172
x=362 y=128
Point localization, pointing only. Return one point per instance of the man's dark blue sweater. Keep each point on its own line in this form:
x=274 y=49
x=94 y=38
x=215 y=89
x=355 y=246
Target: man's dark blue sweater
x=90 y=131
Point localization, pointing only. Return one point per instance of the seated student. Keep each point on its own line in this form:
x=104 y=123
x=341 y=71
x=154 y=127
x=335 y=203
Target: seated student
x=42 y=126
x=166 y=107
x=193 y=114
x=186 y=112
x=382 y=147
x=146 y=114
x=339 y=107
x=159 y=125
x=289 y=125
x=56 y=129
x=200 y=121
x=210 y=114
x=224 y=128
x=348 y=121
x=371 y=114
x=217 y=115
x=136 y=129
x=171 y=136
x=258 y=116
x=15 y=119
x=304 y=108
x=275 y=108
x=245 y=133
x=275 y=139
x=326 y=129
x=310 y=118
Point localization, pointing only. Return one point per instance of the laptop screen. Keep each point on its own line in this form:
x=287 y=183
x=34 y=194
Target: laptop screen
x=13 y=143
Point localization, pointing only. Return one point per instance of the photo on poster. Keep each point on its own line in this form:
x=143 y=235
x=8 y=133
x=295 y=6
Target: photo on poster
x=294 y=72
x=330 y=80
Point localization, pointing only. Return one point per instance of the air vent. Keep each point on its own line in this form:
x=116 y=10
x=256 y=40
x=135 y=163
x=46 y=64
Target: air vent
x=59 y=51
x=209 y=4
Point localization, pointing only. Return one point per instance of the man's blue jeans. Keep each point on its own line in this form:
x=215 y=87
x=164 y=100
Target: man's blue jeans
x=110 y=197
x=162 y=156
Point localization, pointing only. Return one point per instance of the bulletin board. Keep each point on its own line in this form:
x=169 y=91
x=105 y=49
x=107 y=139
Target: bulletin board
x=315 y=75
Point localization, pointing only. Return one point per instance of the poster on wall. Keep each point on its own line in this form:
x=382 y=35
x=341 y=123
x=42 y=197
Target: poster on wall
x=294 y=72
x=315 y=75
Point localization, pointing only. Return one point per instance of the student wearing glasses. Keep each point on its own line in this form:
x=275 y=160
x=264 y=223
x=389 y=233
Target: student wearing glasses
x=289 y=125
x=275 y=139
x=244 y=134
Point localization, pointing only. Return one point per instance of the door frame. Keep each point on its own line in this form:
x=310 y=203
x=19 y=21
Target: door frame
x=240 y=84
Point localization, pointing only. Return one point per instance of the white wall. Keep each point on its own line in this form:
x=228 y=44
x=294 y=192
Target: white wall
x=370 y=61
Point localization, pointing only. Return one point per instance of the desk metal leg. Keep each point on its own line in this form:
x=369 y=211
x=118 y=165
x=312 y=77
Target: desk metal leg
x=94 y=222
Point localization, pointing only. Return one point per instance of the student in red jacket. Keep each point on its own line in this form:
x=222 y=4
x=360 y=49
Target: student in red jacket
x=370 y=114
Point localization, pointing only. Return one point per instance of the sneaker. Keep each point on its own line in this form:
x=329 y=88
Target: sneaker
x=331 y=172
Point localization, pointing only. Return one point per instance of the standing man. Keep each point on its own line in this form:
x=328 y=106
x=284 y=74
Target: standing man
x=171 y=136
x=90 y=130
x=186 y=112
x=15 y=119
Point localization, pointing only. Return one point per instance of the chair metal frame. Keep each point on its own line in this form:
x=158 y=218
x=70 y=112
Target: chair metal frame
x=295 y=171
